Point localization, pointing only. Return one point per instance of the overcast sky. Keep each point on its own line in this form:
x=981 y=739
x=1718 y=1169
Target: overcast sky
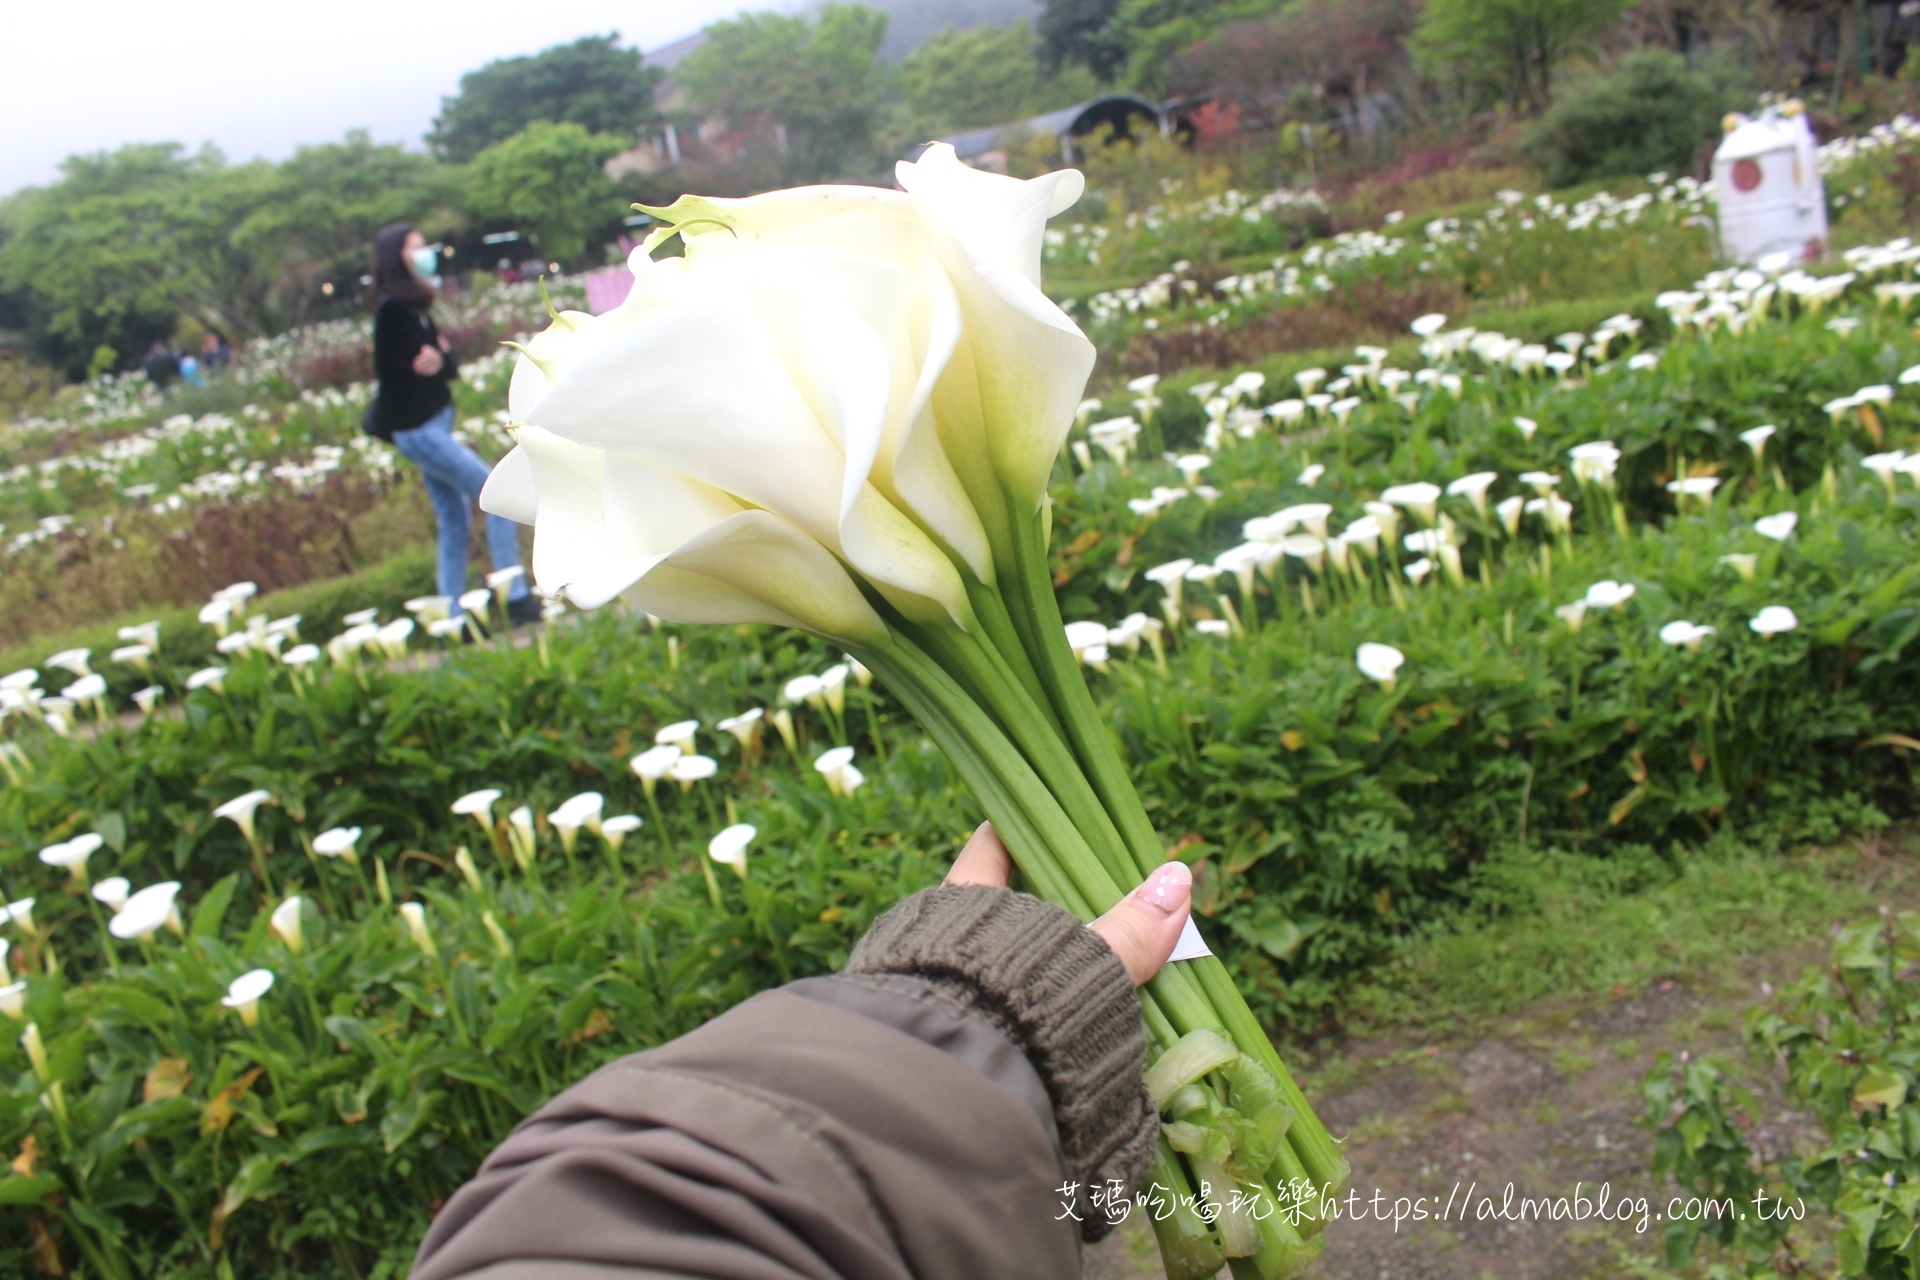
x=258 y=79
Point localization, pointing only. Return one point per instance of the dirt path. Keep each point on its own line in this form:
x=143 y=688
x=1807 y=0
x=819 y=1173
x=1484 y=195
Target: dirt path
x=1544 y=1100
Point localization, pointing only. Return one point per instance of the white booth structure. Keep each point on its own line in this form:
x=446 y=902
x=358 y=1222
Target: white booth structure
x=1766 y=177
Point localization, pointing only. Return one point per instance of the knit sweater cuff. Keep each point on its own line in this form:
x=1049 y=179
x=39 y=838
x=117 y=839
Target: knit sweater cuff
x=1057 y=990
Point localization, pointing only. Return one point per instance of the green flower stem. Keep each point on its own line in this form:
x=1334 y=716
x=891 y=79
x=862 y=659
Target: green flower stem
x=988 y=677
x=1107 y=772
x=1026 y=815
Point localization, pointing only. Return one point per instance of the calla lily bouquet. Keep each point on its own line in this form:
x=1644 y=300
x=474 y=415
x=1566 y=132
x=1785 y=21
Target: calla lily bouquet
x=838 y=411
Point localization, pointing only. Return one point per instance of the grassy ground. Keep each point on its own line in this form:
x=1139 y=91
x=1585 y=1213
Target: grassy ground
x=1512 y=1050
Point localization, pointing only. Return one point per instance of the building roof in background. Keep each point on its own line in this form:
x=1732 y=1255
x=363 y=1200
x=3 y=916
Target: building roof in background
x=668 y=56
x=1068 y=122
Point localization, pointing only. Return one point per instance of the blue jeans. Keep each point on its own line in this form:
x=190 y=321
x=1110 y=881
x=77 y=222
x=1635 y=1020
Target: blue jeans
x=455 y=475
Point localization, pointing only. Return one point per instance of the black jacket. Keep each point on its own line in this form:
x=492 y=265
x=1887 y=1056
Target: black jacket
x=406 y=400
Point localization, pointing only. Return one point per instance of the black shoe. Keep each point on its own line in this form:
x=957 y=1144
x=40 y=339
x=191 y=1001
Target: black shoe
x=524 y=610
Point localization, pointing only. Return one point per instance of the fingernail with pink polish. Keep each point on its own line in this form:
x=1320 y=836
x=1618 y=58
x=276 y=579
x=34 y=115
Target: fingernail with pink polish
x=1168 y=888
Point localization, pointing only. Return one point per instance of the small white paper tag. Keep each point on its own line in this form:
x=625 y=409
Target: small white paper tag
x=1190 y=946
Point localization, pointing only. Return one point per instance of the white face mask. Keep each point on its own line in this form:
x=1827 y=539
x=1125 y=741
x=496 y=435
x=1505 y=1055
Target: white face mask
x=423 y=261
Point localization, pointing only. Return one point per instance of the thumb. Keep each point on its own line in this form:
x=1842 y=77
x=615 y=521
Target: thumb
x=1143 y=927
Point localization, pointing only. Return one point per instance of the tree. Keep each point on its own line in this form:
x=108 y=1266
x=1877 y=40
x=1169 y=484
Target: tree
x=1653 y=112
x=1080 y=32
x=591 y=83
x=1508 y=47
x=327 y=201
x=812 y=82
x=91 y=257
x=548 y=179
x=982 y=76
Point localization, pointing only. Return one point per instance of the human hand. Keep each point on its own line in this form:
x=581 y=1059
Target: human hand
x=1142 y=928
x=427 y=362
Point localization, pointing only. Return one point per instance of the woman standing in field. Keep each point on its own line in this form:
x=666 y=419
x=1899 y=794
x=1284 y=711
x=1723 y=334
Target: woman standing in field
x=414 y=411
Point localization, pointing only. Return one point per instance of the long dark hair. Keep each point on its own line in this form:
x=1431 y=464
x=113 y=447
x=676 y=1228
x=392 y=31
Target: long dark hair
x=393 y=277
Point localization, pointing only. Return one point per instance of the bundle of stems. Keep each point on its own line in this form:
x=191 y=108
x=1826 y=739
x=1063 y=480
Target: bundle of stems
x=1244 y=1164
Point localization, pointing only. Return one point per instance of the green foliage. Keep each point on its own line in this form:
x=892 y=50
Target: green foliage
x=592 y=83
x=125 y=243
x=1650 y=113
x=328 y=200
x=90 y=254
x=548 y=179
x=815 y=75
x=1137 y=37
x=1081 y=32
x=379 y=1075
x=983 y=76
x=1507 y=50
x=1847 y=1039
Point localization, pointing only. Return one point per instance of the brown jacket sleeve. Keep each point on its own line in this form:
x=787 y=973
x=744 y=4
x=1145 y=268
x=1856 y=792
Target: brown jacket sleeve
x=913 y=1118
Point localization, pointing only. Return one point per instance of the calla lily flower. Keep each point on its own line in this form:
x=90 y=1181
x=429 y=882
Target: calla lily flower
x=617 y=828
x=680 y=734
x=1380 y=663
x=1541 y=482
x=478 y=805
x=1365 y=533
x=652 y=765
x=244 y=992
x=139 y=656
x=1608 y=594
x=745 y=727
x=832 y=763
x=301 y=655
x=20 y=912
x=206 y=678
x=1169 y=576
x=1773 y=619
x=113 y=892
x=339 y=842
x=148 y=698
x=13 y=1001
x=578 y=811
x=285 y=923
x=1778 y=527
x=1595 y=462
x=361 y=618
x=1527 y=426
x=688 y=770
x=415 y=916
x=1688 y=634
x=146 y=633
x=521 y=836
x=241 y=809
x=74 y=660
x=1421 y=498
x=833 y=687
x=1509 y=510
x=1884 y=465
x=1474 y=488
x=1756 y=439
x=807 y=689
x=1417 y=570
x=1741 y=563
x=730 y=846
x=72 y=856
x=147 y=912
x=1572 y=614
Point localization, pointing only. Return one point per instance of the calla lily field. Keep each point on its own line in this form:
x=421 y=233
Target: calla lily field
x=853 y=534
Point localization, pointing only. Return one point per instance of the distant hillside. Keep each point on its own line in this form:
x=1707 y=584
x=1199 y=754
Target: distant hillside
x=908 y=23
x=912 y=21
